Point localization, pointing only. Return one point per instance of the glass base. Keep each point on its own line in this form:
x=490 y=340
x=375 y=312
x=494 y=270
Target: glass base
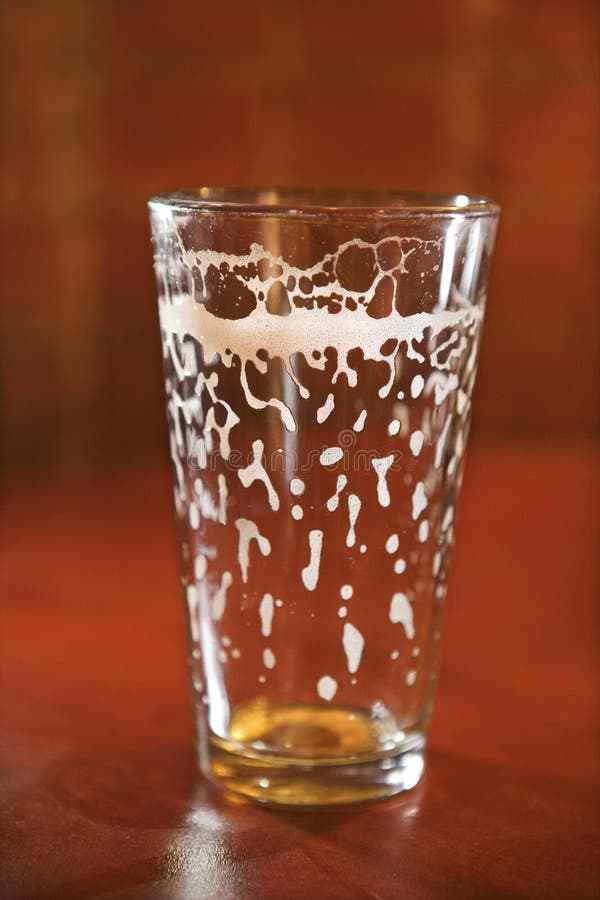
x=308 y=755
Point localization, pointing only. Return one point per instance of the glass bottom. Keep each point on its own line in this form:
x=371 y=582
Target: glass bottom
x=309 y=755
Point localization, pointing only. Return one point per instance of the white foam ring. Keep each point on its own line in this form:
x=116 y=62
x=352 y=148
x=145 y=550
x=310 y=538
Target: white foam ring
x=306 y=332
x=302 y=332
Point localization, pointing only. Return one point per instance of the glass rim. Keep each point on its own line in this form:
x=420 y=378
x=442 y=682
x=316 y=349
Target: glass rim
x=304 y=202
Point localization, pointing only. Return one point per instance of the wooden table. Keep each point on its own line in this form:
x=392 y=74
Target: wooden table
x=101 y=794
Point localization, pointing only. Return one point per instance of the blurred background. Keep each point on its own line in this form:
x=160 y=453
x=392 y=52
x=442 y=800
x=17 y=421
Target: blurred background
x=105 y=103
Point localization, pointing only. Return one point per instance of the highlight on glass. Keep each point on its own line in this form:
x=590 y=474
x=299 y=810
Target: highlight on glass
x=320 y=351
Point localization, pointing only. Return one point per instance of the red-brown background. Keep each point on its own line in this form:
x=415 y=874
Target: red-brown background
x=105 y=103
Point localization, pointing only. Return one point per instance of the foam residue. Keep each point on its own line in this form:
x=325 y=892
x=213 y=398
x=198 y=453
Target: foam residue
x=441 y=443
x=448 y=518
x=327 y=687
x=353 y=511
x=192 y=603
x=310 y=573
x=441 y=392
x=297 y=487
x=416 y=386
x=200 y=566
x=360 y=422
x=193 y=516
x=306 y=332
x=401 y=611
x=248 y=531
x=222 y=511
x=205 y=507
x=333 y=502
x=257 y=472
x=324 y=411
x=353 y=643
x=416 y=442
x=266 y=610
x=330 y=456
x=220 y=597
x=268 y=658
x=392 y=543
x=419 y=500
x=381 y=466
x=231 y=418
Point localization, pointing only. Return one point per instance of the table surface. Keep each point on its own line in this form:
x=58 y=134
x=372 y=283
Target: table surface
x=101 y=798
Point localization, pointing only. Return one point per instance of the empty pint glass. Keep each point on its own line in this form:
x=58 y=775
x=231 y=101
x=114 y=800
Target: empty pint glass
x=320 y=351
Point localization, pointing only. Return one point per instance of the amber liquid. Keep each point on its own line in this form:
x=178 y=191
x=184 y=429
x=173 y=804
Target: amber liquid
x=302 y=754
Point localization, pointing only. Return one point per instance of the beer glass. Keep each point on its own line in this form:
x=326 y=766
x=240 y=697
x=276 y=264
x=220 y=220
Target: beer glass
x=320 y=350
